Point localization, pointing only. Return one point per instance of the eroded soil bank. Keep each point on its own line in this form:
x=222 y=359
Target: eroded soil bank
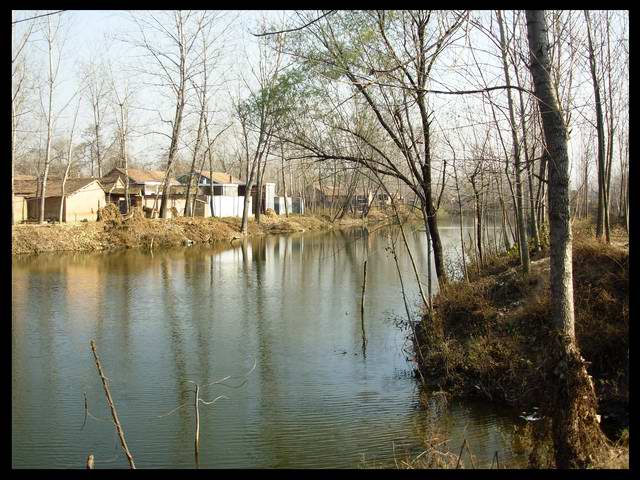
x=489 y=337
x=114 y=232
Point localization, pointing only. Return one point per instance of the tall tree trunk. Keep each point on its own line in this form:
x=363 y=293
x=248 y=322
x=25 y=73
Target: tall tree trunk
x=503 y=217
x=600 y=129
x=576 y=431
x=607 y=225
x=478 y=222
x=284 y=181
x=173 y=148
x=260 y=181
x=45 y=174
x=529 y=165
x=192 y=171
x=123 y=154
x=586 y=188
x=47 y=158
x=522 y=231
x=433 y=234
x=540 y=196
x=248 y=183
x=464 y=262
x=66 y=170
x=425 y=216
x=532 y=212
x=62 y=217
x=96 y=116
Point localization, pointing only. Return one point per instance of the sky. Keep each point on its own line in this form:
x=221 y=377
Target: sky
x=100 y=33
x=92 y=33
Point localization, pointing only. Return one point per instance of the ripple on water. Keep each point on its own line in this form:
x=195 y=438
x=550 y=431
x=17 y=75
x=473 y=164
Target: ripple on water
x=163 y=319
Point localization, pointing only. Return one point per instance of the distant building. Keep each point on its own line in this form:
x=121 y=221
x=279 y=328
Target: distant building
x=82 y=199
x=224 y=193
x=145 y=190
x=222 y=183
x=20 y=197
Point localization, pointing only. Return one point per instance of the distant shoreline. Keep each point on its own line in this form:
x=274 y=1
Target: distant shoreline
x=144 y=233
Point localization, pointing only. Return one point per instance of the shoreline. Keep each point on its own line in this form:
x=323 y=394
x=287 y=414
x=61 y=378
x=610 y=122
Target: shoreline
x=490 y=338
x=115 y=233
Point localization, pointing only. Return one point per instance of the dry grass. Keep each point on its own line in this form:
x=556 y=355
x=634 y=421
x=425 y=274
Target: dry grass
x=491 y=337
x=136 y=231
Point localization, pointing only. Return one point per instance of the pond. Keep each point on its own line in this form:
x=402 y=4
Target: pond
x=279 y=314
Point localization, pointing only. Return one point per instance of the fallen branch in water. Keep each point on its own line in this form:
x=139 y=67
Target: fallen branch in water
x=114 y=414
x=364 y=288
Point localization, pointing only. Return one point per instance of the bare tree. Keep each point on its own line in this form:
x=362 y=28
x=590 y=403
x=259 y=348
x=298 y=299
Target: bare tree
x=577 y=434
x=95 y=77
x=210 y=46
x=68 y=165
x=388 y=68
x=51 y=34
x=121 y=107
x=263 y=114
x=18 y=88
x=522 y=232
x=169 y=38
x=601 y=222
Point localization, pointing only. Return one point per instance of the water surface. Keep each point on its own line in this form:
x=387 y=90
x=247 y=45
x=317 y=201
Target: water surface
x=289 y=304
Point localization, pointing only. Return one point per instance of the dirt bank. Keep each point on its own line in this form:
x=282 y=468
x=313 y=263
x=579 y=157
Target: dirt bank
x=489 y=338
x=114 y=232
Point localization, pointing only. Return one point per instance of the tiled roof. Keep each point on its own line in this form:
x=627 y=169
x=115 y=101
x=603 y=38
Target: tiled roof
x=221 y=177
x=28 y=188
x=138 y=175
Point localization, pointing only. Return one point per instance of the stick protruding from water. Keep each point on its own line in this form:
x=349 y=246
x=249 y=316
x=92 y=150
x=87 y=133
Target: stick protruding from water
x=114 y=414
x=364 y=289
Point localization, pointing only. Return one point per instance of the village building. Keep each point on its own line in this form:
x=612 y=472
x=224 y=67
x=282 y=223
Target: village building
x=19 y=209
x=20 y=198
x=145 y=190
x=82 y=199
x=224 y=194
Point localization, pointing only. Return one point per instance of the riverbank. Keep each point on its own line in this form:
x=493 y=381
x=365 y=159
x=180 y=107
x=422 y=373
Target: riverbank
x=489 y=338
x=114 y=232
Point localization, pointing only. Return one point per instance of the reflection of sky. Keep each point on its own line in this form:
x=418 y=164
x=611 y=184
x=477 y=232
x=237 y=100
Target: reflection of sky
x=290 y=303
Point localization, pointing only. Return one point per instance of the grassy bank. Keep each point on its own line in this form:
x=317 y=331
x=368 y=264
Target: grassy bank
x=490 y=337
x=113 y=231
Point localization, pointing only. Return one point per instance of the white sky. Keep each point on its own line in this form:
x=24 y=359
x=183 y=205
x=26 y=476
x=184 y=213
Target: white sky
x=96 y=33
x=93 y=33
